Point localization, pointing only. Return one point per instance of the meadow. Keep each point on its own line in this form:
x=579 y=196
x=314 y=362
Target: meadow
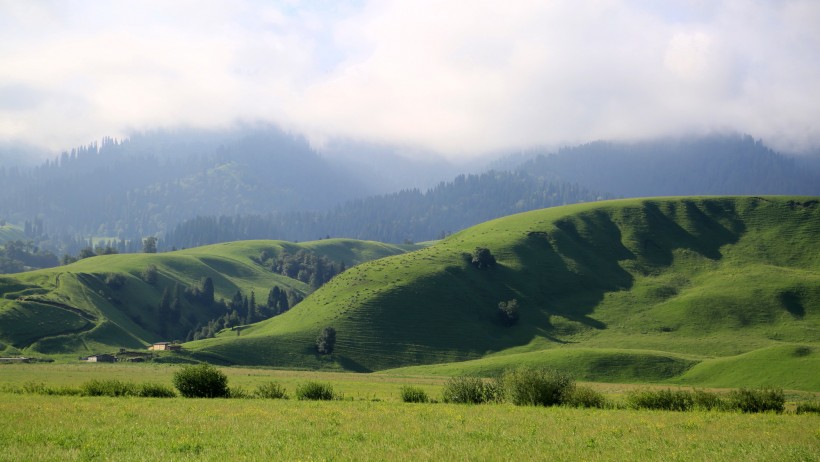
x=368 y=423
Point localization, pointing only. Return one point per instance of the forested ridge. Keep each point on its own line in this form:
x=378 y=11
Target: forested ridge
x=409 y=215
x=711 y=165
x=190 y=188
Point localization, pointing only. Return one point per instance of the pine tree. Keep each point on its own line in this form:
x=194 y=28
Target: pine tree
x=164 y=311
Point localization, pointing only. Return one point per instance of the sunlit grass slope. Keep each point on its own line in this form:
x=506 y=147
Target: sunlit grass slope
x=681 y=279
x=71 y=310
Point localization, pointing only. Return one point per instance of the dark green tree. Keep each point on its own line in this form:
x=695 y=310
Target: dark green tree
x=253 y=312
x=164 y=311
x=149 y=245
x=208 y=290
x=326 y=341
x=508 y=312
x=86 y=253
x=176 y=304
x=482 y=258
x=150 y=274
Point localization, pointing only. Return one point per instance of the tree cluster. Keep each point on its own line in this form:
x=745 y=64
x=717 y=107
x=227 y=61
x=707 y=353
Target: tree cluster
x=243 y=309
x=17 y=256
x=305 y=266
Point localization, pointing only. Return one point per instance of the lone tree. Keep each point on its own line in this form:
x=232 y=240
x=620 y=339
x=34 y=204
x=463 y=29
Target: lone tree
x=326 y=341
x=508 y=312
x=149 y=245
x=483 y=258
x=150 y=274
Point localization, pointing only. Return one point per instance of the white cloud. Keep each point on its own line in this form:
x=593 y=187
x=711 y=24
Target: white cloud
x=458 y=77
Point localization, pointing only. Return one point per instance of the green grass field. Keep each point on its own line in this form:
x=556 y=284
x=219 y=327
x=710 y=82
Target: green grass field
x=369 y=423
x=63 y=428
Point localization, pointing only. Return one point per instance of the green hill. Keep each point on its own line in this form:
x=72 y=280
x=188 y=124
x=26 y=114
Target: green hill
x=101 y=303
x=649 y=289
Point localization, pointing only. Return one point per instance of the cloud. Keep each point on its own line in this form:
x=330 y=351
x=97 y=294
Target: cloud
x=457 y=77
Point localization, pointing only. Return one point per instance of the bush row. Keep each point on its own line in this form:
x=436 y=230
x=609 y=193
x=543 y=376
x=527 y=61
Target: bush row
x=743 y=400
x=548 y=387
x=100 y=388
x=522 y=387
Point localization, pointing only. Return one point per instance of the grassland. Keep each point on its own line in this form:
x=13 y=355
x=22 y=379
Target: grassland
x=700 y=291
x=370 y=423
x=714 y=291
x=63 y=428
x=71 y=310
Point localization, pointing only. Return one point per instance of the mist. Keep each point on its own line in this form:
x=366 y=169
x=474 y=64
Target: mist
x=458 y=78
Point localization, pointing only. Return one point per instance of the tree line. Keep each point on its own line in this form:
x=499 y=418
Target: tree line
x=409 y=215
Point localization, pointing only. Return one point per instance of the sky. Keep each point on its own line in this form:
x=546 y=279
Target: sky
x=461 y=78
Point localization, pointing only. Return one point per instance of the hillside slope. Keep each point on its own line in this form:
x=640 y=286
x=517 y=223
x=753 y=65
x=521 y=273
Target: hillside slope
x=106 y=302
x=680 y=279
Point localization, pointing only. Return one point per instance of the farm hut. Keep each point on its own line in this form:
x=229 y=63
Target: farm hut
x=165 y=346
x=103 y=358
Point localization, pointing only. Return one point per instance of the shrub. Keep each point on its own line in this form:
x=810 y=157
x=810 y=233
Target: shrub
x=314 y=391
x=270 y=390
x=413 y=395
x=108 y=388
x=760 y=400
x=34 y=388
x=667 y=400
x=537 y=387
x=239 y=393
x=201 y=381
x=469 y=390
x=805 y=408
x=39 y=388
x=587 y=397
x=707 y=400
x=155 y=390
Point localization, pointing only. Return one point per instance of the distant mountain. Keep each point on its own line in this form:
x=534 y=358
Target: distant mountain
x=148 y=183
x=709 y=165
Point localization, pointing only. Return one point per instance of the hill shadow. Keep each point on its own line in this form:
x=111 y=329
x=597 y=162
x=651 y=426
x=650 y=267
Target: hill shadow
x=575 y=265
x=792 y=303
x=568 y=270
x=657 y=228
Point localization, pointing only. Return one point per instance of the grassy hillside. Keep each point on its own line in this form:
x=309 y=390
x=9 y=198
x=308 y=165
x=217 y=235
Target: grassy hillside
x=76 y=309
x=681 y=282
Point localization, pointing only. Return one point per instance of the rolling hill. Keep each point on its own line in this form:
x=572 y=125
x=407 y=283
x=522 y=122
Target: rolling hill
x=102 y=303
x=689 y=290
